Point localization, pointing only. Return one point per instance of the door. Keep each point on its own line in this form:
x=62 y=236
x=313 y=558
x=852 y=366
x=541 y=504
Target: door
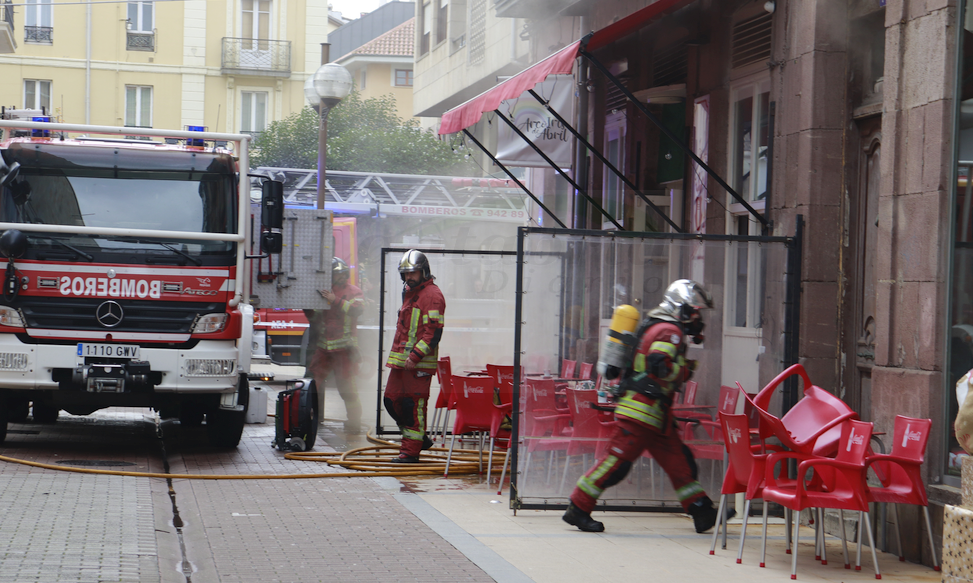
x=255 y=30
x=860 y=334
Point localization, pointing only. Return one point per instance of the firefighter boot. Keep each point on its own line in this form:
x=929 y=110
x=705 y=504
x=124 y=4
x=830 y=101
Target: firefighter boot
x=426 y=442
x=704 y=514
x=583 y=520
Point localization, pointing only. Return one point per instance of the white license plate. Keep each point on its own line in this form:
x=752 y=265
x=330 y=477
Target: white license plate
x=86 y=349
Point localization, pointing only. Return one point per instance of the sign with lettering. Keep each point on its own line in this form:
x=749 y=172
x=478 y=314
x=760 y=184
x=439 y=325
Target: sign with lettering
x=537 y=123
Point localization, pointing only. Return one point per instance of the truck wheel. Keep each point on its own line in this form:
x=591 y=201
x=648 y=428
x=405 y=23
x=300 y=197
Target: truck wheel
x=224 y=428
x=312 y=433
x=190 y=417
x=17 y=409
x=46 y=414
x=3 y=420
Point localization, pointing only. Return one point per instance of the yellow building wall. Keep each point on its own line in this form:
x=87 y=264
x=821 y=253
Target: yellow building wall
x=379 y=81
x=184 y=69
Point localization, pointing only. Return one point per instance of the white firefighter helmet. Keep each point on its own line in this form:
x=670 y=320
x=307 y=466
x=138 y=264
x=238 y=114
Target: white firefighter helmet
x=682 y=299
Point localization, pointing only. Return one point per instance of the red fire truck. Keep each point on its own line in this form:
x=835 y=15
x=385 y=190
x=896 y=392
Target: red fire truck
x=126 y=272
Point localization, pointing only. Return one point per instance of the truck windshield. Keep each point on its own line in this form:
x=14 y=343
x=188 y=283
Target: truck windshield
x=163 y=192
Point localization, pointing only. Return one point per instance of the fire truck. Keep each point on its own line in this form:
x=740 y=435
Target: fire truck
x=127 y=257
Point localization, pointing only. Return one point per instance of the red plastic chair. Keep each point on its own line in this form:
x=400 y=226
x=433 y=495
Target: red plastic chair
x=590 y=428
x=475 y=411
x=744 y=472
x=807 y=427
x=567 y=368
x=584 y=371
x=688 y=408
x=900 y=474
x=839 y=483
x=546 y=428
x=444 y=402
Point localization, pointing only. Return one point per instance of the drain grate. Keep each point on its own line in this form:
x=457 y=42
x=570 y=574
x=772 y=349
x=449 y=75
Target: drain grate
x=112 y=463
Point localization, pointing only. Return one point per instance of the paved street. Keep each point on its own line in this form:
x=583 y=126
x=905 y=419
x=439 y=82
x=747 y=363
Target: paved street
x=65 y=527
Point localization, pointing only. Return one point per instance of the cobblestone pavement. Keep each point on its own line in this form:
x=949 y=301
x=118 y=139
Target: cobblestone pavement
x=61 y=526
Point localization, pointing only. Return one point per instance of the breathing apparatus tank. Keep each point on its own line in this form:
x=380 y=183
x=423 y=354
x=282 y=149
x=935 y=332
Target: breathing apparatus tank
x=616 y=347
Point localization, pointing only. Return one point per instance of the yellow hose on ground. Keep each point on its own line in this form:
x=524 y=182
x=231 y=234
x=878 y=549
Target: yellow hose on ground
x=368 y=465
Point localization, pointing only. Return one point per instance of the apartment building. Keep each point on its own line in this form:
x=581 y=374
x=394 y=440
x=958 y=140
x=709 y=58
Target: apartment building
x=229 y=65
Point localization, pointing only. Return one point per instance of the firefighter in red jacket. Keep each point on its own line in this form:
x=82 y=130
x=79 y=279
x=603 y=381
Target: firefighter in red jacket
x=643 y=420
x=337 y=342
x=414 y=354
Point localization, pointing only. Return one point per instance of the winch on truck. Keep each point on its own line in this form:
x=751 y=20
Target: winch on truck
x=127 y=274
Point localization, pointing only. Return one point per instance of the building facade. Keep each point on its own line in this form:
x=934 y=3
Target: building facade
x=850 y=114
x=229 y=65
x=383 y=66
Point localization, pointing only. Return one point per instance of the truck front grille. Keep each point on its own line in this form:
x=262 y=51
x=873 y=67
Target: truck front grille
x=139 y=315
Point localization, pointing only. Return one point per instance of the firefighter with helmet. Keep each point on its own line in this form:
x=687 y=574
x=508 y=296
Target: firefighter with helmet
x=414 y=354
x=643 y=420
x=336 y=346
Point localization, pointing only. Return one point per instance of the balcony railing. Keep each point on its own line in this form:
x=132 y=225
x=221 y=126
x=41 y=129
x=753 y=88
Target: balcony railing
x=39 y=34
x=140 y=41
x=256 y=57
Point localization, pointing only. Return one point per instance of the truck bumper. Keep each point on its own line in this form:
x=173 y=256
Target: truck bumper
x=32 y=366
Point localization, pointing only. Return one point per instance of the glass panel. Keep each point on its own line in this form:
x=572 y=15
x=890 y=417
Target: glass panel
x=246 y=27
x=30 y=14
x=550 y=460
x=742 y=122
x=133 y=15
x=45 y=94
x=30 y=94
x=260 y=112
x=960 y=352
x=131 y=97
x=245 y=123
x=763 y=140
x=147 y=23
x=45 y=14
x=741 y=272
x=613 y=153
x=145 y=113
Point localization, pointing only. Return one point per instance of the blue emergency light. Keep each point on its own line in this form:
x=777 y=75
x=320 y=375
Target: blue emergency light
x=196 y=141
x=41 y=133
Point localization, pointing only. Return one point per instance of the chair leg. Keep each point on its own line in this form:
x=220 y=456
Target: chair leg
x=898 y=535
x=797 y=530
x=858 y=556
x=871 y=545
x=844 y=541
x=824 y=548
x=445 y=425
x=763 y=545
x=503 y=473
x=788 y=518
x=817 y=533
x=743 y=531
x=490 y=463
x=435 y=423
x=932 y=546
x=449 y=456
x=719 y=521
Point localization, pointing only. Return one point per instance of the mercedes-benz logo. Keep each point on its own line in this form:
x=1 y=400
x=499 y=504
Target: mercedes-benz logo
x=109 y=314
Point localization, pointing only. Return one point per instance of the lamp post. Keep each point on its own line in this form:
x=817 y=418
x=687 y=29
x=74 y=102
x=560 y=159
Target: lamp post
x=325 y=89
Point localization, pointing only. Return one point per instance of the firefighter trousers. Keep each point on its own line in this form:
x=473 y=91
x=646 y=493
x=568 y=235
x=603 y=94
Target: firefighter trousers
x=344 y=365
x=406 y=397
x=628 y=440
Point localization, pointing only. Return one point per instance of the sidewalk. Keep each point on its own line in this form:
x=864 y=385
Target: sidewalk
x=538 y=546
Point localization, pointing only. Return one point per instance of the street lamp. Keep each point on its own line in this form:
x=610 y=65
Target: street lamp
x=329 y=85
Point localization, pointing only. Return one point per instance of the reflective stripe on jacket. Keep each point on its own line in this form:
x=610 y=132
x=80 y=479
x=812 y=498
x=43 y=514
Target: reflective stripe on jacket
x=421 y=314
x=340 y=322
x=662 y=342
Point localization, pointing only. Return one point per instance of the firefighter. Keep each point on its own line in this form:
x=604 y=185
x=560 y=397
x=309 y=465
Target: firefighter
x=414 y=354
x=643 y=420
x=336 y=333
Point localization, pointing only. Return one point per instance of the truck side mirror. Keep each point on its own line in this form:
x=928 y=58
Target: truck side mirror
x=272 y=205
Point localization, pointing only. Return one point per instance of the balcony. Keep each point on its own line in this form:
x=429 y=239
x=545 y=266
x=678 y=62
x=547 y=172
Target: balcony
x=140 y=41
x=39 y=34
x=7 y=41
x=531 y=8
x=256 y=57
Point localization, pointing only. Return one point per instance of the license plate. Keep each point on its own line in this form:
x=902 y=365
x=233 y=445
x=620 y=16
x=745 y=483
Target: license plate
x=86 y=349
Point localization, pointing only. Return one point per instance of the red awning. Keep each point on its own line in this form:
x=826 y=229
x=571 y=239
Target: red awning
x=560 y=63
x=464 y=115
x=633 y=22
